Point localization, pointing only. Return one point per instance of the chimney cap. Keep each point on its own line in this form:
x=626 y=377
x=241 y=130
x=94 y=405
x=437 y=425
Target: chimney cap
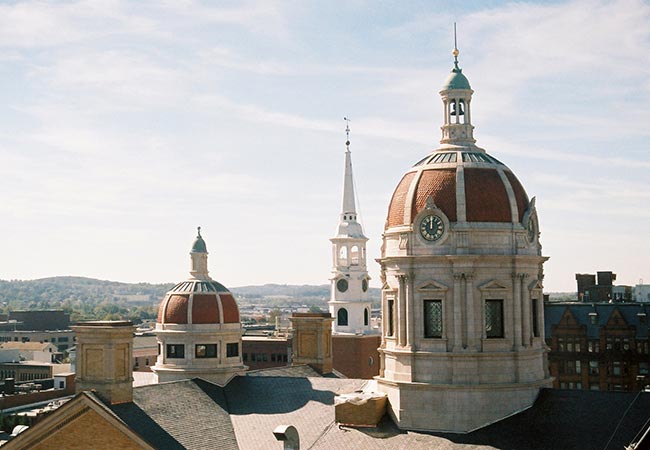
x=297 y=314
x=105 y=323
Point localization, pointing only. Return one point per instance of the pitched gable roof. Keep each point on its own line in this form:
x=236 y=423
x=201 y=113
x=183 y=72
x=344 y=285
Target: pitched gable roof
x=180 y=414
x=72 y=421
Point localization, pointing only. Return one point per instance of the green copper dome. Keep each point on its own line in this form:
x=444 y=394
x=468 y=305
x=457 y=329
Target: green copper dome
x=456 y=79
x=199 y=244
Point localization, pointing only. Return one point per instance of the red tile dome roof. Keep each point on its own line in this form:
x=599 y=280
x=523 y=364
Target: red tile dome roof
x=467 y=184
x=198 y=302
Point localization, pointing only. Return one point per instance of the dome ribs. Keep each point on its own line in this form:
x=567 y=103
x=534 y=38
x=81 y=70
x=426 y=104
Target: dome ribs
x=486 y=196
x=440 y=184
x=230 y=309
x=520 y=194
x=396 y=208
x=161 y=309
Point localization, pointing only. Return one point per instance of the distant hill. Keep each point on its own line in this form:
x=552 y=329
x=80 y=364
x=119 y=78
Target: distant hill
x=55 y=290
x=61 y=291
x=291 y=290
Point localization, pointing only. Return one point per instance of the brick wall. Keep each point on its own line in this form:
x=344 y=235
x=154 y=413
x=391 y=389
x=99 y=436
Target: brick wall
x=356 y=356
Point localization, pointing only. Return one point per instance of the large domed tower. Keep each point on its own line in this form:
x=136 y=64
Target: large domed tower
x=198 y=327
x=463 y=328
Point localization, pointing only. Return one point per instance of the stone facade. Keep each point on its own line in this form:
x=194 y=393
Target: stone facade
x=463 y=340
x=312 y=340
x=104 y=355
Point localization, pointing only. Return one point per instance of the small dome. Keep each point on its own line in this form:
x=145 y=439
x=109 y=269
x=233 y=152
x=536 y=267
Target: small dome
x=351 y=228
x=468 y=180
x=456 y=80
x=198 y=302
x=199 y=245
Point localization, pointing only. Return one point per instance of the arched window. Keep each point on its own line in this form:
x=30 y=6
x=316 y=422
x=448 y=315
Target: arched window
x=354 y=256
x=343 y=256
x=366 y=317
x=342 y=317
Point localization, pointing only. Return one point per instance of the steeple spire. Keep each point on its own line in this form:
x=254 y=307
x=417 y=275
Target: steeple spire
x=349 y=210
x=456 y=95
x=455 y=52
x=349 y=302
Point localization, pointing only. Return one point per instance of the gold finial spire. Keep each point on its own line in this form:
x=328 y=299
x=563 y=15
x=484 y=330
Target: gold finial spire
x=455 y=52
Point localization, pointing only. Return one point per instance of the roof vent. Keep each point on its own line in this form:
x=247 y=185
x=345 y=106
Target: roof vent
x=289 y=435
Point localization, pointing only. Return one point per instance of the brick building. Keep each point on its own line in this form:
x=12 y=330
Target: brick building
x=600 y=346
x=600 y=288
x=263 y=352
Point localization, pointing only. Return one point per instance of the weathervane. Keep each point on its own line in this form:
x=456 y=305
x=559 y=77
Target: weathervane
x=198 y=230
x=347 y=132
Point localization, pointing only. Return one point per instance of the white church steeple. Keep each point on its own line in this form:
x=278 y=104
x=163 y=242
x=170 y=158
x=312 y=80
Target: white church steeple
x=349 y=303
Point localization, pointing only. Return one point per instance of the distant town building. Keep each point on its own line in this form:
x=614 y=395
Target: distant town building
x=145 y=351
x=30 y=351
x=263 y=352
x=599 y=346
x=38 y=326
x=641 y=293
x=600 y=288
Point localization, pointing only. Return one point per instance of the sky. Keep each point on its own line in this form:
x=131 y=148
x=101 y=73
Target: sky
x=125 y=125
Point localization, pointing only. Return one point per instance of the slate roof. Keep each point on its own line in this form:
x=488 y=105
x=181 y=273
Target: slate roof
x=197 y=414
x=553 y=313
x=180 y=415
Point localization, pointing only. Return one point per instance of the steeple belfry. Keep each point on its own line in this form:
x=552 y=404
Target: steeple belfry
x=199 y=258
x=349 y=304
x=456 y=96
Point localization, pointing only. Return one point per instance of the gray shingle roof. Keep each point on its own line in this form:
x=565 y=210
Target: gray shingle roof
x=180 y=415
x=196 y=414
x=259 y=404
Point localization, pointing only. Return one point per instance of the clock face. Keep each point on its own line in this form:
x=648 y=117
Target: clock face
x=364 y=285
x=530 y=228
x=432 y=227
x=342 y=285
